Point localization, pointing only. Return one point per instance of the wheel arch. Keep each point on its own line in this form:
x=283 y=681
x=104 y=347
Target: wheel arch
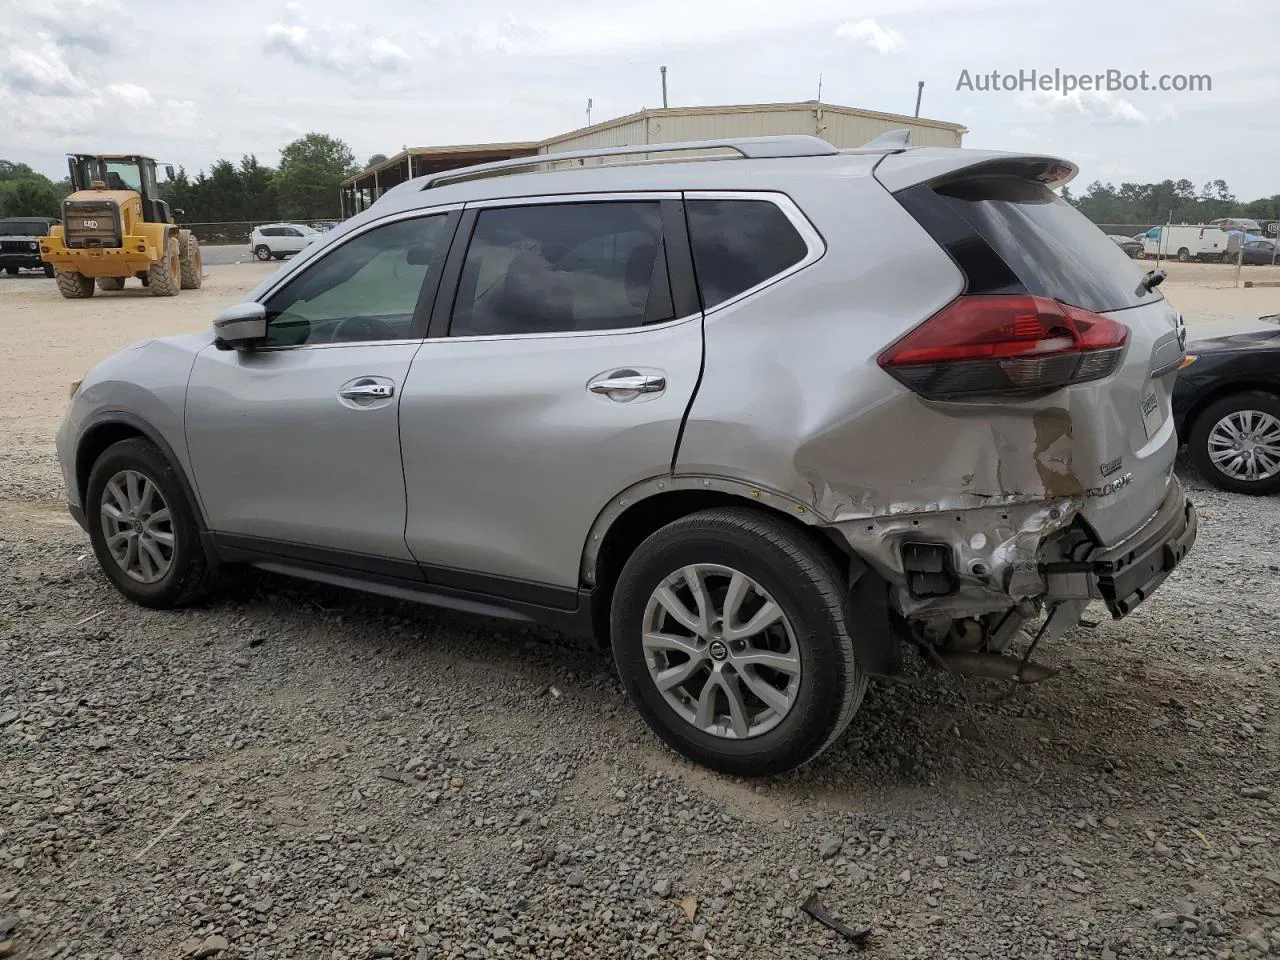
x=642 y=509
x=110 y=428
x=1221 y=392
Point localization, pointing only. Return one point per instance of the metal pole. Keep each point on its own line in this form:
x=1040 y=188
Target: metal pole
x=663 y=70
x=919 y=94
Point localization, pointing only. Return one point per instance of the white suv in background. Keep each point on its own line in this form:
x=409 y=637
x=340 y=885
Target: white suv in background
x=278 y=239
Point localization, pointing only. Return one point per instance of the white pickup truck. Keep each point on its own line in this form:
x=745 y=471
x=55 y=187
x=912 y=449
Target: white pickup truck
x=1186 y=242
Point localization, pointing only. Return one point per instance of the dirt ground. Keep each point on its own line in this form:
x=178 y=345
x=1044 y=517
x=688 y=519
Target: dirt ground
x=297 y=772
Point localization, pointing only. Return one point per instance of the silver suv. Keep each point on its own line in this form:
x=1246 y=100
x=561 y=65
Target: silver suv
x=756 y=421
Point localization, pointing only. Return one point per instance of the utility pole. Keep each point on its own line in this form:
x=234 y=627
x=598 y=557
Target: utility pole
x=663 y=71
x=919 y=94
x=819 y=88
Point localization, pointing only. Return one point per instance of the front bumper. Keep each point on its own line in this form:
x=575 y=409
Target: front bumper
x=1127 y=574
x=30 y=261
x=133 y=256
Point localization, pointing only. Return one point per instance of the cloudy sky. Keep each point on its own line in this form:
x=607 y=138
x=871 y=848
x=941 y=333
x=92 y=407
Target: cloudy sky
x=191 y=82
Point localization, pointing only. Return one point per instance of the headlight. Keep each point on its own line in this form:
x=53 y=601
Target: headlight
x=33 y=245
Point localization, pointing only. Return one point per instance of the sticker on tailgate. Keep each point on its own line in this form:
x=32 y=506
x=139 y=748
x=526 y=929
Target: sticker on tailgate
x=1152 y=414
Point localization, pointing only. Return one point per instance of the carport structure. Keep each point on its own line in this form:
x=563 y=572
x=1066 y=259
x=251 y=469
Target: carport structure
x=360 y=190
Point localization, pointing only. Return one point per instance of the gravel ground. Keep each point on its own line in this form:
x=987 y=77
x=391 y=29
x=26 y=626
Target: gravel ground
x=293 y=771
x=298 y=772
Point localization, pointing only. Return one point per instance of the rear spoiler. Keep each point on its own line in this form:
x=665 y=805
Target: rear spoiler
x=939 y=165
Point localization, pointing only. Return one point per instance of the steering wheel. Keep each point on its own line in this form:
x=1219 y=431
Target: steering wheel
x=363 y=328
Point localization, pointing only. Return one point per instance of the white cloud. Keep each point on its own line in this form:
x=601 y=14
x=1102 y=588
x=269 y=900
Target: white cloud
x=871 y=34
x=341 y=48
x=132 y=94
x=1096 y=106
x=37 y=65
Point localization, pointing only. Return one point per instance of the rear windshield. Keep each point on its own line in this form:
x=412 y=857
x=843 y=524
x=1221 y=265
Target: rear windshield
x=1052 y=248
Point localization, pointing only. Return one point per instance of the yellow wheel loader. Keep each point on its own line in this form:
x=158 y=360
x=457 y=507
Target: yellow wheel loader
x=115 y=226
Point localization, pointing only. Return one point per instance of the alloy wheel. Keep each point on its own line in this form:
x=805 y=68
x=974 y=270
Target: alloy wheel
x=721 y=651
x=1245 y=445
x=137 y=526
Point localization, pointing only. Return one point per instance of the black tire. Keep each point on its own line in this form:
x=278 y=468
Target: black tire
x=191 y=573
x=192 y=268
x=808 y=586
x=1202 y=427
x=48 y=270
x=262 y=252
x=74 y=286
x=278 y=256
x=1184 y=255
x=11 y=271
x=111 y=283
x=165 y=276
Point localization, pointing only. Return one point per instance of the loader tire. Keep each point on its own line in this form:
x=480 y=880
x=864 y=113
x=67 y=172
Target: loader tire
x=164 y=279
x=192 y=266
x=111 y=283
x=74 y=286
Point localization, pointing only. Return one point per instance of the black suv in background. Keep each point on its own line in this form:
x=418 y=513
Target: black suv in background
x=20 y=244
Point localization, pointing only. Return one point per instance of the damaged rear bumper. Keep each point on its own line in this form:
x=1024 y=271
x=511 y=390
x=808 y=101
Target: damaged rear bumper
x=1125 y=575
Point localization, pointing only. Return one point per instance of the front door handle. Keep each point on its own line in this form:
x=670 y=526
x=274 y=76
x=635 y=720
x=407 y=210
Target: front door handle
x=368 y=391
x=636 y=383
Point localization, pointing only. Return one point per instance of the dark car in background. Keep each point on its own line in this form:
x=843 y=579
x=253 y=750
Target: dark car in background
x=1226 y=406
x=1260 y=252
x=20 y=244
x=1130 y=245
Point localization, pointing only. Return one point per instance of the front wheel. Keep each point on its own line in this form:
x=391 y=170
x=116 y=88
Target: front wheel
x=729 y=635
x=143 y=528
x=1184 y=255
x=1235 y=443
x=262 y=252
x=48 y=270
x=11 y=271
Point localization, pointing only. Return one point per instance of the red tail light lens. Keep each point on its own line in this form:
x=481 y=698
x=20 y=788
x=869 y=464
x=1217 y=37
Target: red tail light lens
x=1001 y=346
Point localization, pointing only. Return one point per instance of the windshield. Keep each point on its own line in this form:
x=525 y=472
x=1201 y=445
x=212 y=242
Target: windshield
x=24 y=228
x=123 y=176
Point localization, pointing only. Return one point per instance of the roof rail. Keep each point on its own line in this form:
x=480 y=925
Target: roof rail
x=752 y=148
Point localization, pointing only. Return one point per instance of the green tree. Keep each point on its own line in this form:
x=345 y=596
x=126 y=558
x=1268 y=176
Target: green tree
x=30 y=197
x=258 y=189
x=311 y=169
x=376 y=159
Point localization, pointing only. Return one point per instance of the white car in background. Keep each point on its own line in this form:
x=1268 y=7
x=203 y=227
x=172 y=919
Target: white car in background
x=281 y=239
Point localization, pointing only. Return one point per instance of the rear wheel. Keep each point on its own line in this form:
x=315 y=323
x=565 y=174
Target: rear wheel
x=11 y=271
x=164 y=277
x=1235 y=443
x=73 y=285
x=262 y=252
x=729 y=635
x=48 y=270
x=143 y=529
x=111 y=283
x=192 y=266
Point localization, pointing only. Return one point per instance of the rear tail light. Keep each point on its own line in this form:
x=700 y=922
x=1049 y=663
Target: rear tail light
x=1000 y=346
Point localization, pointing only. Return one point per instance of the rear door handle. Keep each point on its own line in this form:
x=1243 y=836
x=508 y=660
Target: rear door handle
x=637 y=383
x=368 y=391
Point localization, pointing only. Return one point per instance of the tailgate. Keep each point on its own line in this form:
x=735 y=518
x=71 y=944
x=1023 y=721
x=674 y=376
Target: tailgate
x=1011 y=236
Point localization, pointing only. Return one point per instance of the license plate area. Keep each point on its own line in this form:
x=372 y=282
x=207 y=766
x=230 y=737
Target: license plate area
x=1153 y=404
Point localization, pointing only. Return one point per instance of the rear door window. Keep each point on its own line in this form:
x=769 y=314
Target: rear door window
x=1053 y=249
x=739 y=244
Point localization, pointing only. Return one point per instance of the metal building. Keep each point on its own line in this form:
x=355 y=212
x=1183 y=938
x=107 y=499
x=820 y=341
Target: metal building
x=841 y=126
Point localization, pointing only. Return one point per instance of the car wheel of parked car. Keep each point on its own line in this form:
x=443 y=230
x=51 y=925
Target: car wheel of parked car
x=262 y=252
x=48 y=270
x=1184 y=255
x=143 y=528
x=729 y=634
x=1235 y=443
x=11 y=271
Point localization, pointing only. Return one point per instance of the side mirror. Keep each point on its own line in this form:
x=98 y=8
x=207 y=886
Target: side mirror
x=168 y=169
x=179 y=211
x=241 y=327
